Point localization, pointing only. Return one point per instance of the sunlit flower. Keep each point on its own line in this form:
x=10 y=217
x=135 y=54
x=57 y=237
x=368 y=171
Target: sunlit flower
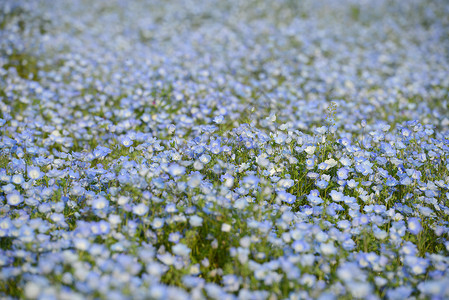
x=181 y=249
x=414 y=225
x=17 y=179
x=176 y=170
x=225 y=227
x=100 y=203
x=195 y=221
x=15 y=198
x=34 y=173
x=286 y=197
x=140 y=209
x=157 y=223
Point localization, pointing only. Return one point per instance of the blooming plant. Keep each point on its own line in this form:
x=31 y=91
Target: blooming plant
x=224 y=149
x=331 y=112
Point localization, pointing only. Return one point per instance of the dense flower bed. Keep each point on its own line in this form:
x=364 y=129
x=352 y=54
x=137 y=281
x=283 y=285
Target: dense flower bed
x=224 y=149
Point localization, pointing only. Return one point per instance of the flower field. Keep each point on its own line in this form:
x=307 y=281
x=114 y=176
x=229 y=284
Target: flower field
x=224 y=149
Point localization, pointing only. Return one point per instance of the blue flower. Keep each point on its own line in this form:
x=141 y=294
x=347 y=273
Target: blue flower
x=406 y=180
x=176 y=170
x=14 y=199
x=285 y=183
x=417 y=265
x=391 y=181
x=286 y=197
x=314 y=200
x=195 y=221
x=157 y=223
x=140 y=209
x=126 y=141
x=322 y=166
x=219 y=119
x=342 y=173
x=322 y=184
x=388 y=149
x=336 y=196
x=17 y=179
x=174 y=237
x=414 y=225
x=100 y=203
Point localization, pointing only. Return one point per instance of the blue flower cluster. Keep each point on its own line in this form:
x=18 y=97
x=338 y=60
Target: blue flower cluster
x=224 y=149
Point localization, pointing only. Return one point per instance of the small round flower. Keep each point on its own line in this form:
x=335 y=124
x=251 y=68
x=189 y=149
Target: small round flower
x=250 y=182
x=322 y=184
x=194 y=180
x=286 y=197
x=171 y=208
x=433 y=287
x=314 y=200
x=228 y=180
x=196 y=221
x=310 y=150
x=140 y=209
x=285 y=183
x=352 y=183
x=300 y=246
x=342 y=173
x=114 y=219
x=198 y=165
x=176 y=170
x=391 y=181
x=34 y=173
x=122 y=200
x=328 y=248
x=171 y=128
x=336 y=196
x=126 y=141
x=225 y=227
x=181 y=250
x=17 y=179
x=57 y=218
x=359 y=289
x=414 y=225
x=100 y=203
x=174 y=237
x=5 y=226
x=32 y=290
x=166 y=258
x=195 y=269
x=157 y=223
x=348 y=244
x=322 y=166
x=417 y=265
x=81 y=244
x=219 y=119
x=406 y=180
x=344 y=224
x=241 y=203
x=14 y=198
x=310 y=163
x=205 y=158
